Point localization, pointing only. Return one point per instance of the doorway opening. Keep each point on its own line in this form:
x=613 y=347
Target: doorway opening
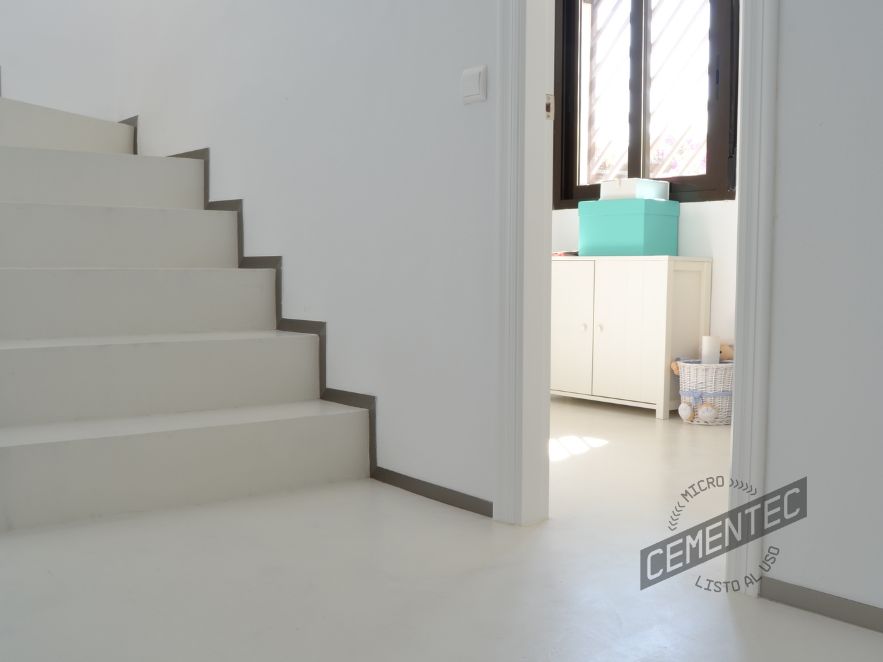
x=644 y=241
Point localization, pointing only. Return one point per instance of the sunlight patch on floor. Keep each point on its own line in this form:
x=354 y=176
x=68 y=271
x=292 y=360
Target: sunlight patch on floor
x=562 y=448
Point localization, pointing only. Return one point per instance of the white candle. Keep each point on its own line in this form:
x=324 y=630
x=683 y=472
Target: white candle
x=711 y=349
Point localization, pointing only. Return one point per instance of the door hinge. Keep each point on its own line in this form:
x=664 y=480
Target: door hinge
x=550 y=106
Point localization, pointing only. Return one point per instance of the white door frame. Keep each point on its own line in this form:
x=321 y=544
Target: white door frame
x=755 y=192
x=522 y=494
x=525 y=193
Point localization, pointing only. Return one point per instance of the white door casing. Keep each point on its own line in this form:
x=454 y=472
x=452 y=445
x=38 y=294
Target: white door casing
x=521 y=494
x=758 y=70
x=526 y=38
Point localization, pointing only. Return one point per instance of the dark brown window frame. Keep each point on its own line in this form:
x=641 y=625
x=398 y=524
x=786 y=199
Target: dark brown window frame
x=719 y=182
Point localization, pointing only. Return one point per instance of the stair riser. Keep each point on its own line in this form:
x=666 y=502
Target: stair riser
x=26 y=125
x=59 y=303
x=56 y=236
x=81 y=178
x=53 y=483
x=77 y=382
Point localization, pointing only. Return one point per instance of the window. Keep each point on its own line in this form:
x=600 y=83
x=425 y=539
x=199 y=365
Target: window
x=646 y=88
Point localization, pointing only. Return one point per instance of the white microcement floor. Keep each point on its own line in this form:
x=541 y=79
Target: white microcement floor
x=362 y=571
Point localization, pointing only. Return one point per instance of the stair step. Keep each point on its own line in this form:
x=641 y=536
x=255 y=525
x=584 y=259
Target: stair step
x=115 y=180
x=26 y=125
x=46 y=235
x=70 y=379
x=71 y=471
x=139 y=367
x=54 y=303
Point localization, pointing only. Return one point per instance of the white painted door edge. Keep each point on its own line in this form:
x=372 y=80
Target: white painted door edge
x=521 y=494
x=755 y=194
x=507 y=493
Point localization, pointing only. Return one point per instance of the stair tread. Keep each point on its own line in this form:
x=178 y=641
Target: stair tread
x=31 y=174
x=58 y=111
x=48 y=235
x=61 y=205
x=29 y=125
x=75 y=153
x=102 y=269
x=87 y=341
x=93 y=205
x=112 y=427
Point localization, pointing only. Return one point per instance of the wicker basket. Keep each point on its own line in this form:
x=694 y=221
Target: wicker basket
x=706 y=384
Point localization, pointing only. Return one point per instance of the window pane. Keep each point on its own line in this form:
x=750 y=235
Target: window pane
x=678 y=88
x=604 y=70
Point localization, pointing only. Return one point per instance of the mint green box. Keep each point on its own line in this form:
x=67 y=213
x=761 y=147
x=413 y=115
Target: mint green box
x=628 y=227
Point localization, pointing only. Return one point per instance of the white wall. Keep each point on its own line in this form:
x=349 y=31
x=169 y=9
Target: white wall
x=827 y=322
x=706 y=229
x=341 y=125
x=61 y=54
x=565 y=230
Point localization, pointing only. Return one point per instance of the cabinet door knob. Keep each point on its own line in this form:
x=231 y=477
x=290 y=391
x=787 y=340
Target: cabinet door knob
x=600 y=328
x=585 y=326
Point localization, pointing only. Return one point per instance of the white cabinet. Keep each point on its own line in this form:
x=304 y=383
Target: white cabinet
x=618 y=322
x=572 y=326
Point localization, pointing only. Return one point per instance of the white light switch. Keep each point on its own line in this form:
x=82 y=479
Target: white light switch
x=473 y=84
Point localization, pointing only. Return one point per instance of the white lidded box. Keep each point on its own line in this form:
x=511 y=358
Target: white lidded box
x=634 y=187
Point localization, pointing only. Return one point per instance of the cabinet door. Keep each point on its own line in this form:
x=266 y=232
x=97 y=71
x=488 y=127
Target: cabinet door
x=572 y=294
x=629 y=341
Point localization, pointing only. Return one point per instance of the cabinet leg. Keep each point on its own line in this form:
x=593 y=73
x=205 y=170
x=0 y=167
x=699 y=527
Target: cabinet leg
x=662 y=412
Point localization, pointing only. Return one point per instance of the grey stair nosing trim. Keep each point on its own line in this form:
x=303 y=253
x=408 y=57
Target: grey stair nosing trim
x=369 y=402
x=434 y=492
x=237 y=206
x=268 y=262
x=317 y=328
x=832 y=606
x=133 y=122
x=203 y=154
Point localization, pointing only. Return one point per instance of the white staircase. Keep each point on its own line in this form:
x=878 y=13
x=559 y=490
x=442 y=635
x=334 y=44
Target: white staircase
x=139 y=367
